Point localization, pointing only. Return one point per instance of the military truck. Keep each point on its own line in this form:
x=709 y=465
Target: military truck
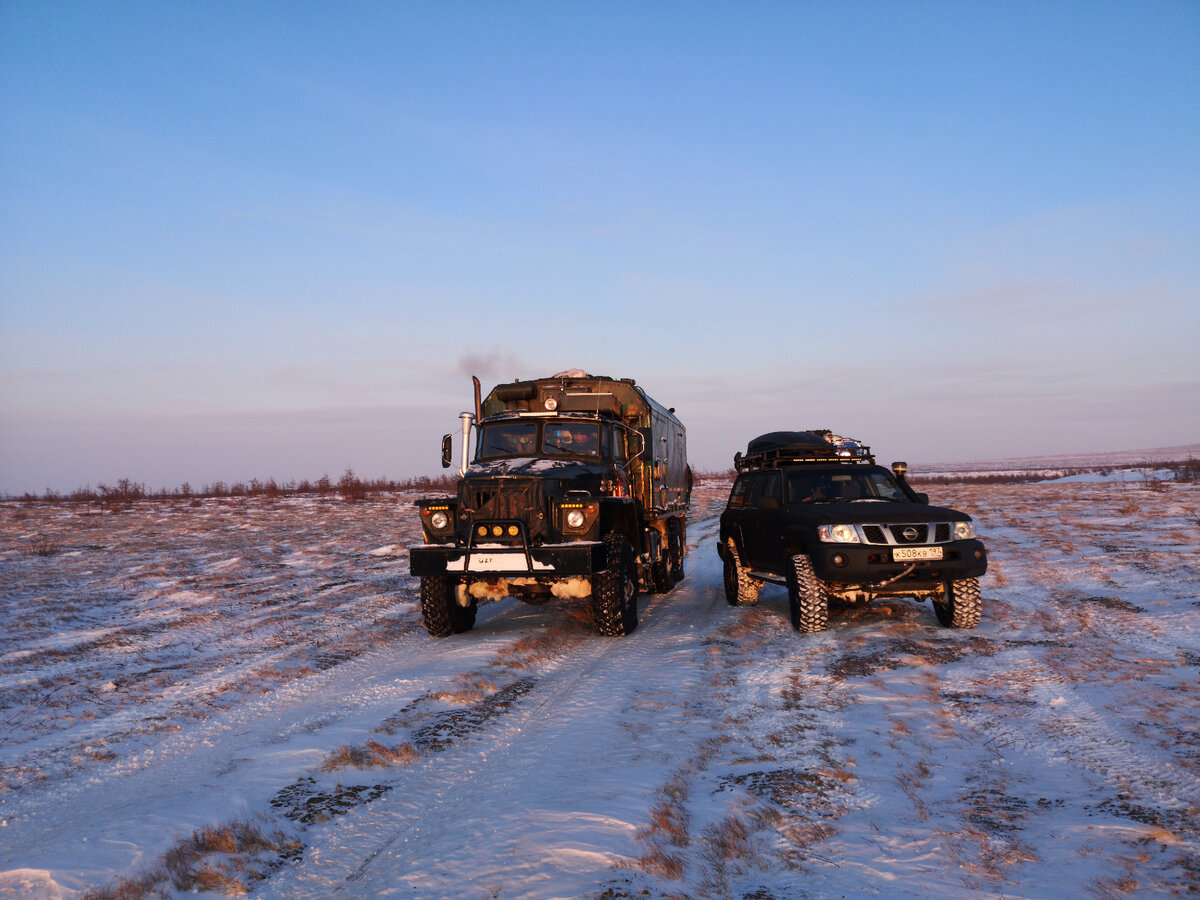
x=811 y=510
x=578 y=487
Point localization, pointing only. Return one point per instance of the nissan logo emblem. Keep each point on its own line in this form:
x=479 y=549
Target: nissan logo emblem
x=910 y=534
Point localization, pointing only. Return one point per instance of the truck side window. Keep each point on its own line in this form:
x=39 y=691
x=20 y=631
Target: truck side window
x=605 y=442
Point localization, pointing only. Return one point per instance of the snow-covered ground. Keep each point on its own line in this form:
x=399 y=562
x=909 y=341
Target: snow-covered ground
x=240 y=693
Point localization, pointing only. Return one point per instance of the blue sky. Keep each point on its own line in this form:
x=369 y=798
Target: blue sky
x=248 y=240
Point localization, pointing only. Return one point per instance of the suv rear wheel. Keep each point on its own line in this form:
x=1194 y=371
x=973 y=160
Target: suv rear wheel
x=961 y=604
x=740 y=588
x=808 y=600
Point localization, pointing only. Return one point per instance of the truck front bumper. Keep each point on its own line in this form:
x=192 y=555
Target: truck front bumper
x=503 y=561
x=872 y=564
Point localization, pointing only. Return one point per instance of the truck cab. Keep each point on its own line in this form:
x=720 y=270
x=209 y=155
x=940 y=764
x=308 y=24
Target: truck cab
x=578 y=487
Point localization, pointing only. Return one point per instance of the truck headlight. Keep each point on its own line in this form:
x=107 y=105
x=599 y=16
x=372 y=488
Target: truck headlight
x=838 y=534
x=439 y=520
x=964 y=531
x=575 y=518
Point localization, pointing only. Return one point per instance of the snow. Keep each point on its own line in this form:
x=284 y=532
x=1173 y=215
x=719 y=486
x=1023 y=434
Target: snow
x=177 y=667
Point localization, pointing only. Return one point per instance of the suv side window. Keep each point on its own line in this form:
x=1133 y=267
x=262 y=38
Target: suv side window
x=741 y=490
x=767 y=487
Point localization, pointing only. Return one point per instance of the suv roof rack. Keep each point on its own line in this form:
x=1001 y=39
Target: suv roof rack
x=818 y=445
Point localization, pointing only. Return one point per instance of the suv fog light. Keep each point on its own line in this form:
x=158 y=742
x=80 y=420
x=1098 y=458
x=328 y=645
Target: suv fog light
x=482 y=531
x=838 y=559
x=497 y=531
x=513 y=530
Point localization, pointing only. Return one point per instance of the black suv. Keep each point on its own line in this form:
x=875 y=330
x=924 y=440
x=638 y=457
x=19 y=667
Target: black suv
x=813 y=511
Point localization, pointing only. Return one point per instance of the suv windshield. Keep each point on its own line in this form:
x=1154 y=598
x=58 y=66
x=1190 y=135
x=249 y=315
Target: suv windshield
x=557 y=439
x=842 y=486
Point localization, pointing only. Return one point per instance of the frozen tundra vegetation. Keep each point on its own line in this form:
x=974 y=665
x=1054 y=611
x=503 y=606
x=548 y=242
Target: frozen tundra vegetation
x=237 y=695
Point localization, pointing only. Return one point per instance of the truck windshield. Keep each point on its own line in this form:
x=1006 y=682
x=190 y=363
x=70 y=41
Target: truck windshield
x=576 y=438
x=827 y=487
x=508 y=439
x=516 y=439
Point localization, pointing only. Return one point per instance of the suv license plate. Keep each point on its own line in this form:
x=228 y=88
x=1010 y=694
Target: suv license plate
x=908 y=554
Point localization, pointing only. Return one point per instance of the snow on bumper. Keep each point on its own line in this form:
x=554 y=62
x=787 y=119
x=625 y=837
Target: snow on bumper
x=551 y=560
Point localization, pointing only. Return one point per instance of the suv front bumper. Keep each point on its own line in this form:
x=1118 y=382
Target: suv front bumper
x=871 y=564
x=502 y=561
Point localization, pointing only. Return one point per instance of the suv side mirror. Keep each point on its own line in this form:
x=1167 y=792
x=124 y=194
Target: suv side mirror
x=447 y=452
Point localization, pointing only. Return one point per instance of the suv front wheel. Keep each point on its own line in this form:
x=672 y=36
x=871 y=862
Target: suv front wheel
x=808 y=600
x=960 y=604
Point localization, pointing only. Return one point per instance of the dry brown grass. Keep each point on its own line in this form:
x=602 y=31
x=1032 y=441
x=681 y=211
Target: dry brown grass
x=372 y=755
x=471 y=688
x=226 y=859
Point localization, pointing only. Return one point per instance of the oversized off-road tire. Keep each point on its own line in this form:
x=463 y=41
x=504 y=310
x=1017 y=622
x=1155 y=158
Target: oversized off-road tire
x=808 y=600
x=740 y=588
x=662 y=576
x=661 y=579
x=675 y=549
x=615 y=589
x=440 y=610
x=961 y=604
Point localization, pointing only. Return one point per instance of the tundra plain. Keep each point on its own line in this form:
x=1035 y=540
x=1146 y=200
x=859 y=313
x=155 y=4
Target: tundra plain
x=237 y=695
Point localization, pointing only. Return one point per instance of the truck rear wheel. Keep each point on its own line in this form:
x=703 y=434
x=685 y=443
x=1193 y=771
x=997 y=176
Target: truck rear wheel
x=662 y=576
x=961 y=604
x=740 y=588
x=440 y=610
x=614 y=590
x=675 y=543
x=808 y=600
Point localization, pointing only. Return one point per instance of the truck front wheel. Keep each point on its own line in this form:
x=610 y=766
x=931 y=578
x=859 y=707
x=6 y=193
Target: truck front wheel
x=440 y=610
x=614 y=590
x=960 y=605
x=808 y=600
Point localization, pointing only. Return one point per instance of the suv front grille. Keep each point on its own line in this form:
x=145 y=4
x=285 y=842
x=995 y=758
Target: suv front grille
x=894 y=534
x=874 y=534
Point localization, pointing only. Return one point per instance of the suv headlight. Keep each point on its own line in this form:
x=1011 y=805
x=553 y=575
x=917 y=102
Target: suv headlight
x=964 y=531
x=838 y=534
x=575 y=518
x=439 y=520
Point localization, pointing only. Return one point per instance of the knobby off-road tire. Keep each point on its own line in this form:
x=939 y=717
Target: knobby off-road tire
x=615 y=590
x=961 y=604
x=661 y=577
x=740 y=588
x=675 y=547
x=440 y=610
x=808 y=600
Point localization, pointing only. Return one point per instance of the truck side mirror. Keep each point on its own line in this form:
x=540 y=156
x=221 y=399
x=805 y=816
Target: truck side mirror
x=447 y=452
